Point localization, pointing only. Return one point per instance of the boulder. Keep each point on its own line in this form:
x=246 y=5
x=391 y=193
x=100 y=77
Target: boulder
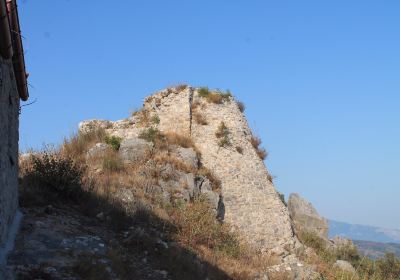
x=134 y=149
x=345 y=266
x=98 y=150
x=187 y=155
x=306 y=218
x=125 y=196
x=203 y=187
x=126 y=199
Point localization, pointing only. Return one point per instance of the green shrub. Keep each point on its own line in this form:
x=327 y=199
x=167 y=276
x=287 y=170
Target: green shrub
x=223 y=134
x=114 y=142
x=151 y=134
x=389 y=266
x=214 y=97
x=51 y=171
x=224 y=142
x=155 y=119
x=204 y=92
x=348 y=252
x=312 y=240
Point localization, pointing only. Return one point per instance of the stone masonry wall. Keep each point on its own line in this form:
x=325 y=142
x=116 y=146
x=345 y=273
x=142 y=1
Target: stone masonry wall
x=252 y=205
x=9 y=114
x=173 y=109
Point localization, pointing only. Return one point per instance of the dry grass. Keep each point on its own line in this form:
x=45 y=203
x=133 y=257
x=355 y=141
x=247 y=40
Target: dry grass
x=214 y=97
x=223 y=134
x=199 y=231
x=261 y=152
x=386 y=268
x=200 y=118
x=111 y=162
x=241 y=106
x=215 y=182
x=77 y=145
x=239 y=150
x=181 y=87
x=193 y=226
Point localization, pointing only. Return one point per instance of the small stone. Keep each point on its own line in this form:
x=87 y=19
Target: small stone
x=345 y=266
x=100 y=216
x=98 y=150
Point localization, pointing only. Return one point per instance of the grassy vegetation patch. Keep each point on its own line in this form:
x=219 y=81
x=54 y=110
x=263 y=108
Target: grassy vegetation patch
x=223 y=134
x=214 y=97
x=113 y=141
x=261 y=152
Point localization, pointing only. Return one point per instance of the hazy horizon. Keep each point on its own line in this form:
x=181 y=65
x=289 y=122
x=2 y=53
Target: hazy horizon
x=320 y=83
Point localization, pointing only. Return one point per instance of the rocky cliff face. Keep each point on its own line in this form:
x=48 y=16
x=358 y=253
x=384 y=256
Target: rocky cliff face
x=222 y=136
x=306 y=218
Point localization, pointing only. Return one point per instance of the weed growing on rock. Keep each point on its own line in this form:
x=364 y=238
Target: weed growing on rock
x=181 y=87
x=239 y=150
x=155 y=119
x=151 y=134
x=214 y=97
x=113 y=141
x=200 y=118
x=204 y=92
x=198 y=226
x=223 y=134
x=76 y=146
x=261 y=152
x=173 y=138
x=144 y=117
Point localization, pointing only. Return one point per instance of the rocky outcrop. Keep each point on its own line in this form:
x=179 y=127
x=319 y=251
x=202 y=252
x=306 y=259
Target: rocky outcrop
x=250 y=203
x=134 y=150
x=306 y=218
x=345 y=266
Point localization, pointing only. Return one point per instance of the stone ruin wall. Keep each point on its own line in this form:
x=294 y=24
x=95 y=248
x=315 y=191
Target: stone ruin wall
x=252 y=205
x=9 y=114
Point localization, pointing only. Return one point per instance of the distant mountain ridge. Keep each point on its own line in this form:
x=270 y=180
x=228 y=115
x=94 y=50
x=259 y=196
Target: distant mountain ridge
x=363 y=232
x=377 y=249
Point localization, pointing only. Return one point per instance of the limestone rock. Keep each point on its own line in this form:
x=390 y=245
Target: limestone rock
x=134 y=149
x=345 y=266
x=203 y=187
x=306 y=218
x=187 y=155
x=125 y=196
x=91 y=125
x=98 y=150
x=248 y=200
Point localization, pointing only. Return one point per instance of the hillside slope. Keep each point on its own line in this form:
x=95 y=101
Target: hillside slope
x=363 y=232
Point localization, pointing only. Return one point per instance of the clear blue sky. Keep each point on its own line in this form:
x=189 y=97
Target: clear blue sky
x=320 y=79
